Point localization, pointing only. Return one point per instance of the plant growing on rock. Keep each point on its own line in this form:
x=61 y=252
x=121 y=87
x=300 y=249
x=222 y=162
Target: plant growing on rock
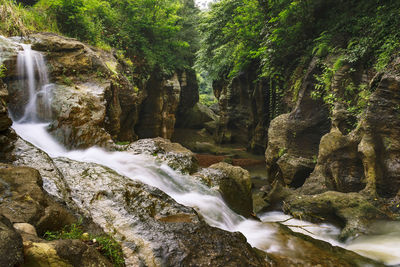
x=3 y=69
x=106 y=245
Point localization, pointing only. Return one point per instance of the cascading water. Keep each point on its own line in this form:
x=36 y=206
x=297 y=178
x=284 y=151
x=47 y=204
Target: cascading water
x=180 y=187
x=30 y=65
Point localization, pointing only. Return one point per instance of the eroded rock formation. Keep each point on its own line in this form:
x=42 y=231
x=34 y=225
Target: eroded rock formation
x=357 y=172
x=245 y=110
x=293 y=139
x=157 y=115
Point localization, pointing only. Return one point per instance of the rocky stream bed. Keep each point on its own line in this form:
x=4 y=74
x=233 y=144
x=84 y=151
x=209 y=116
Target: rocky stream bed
x=83 y=160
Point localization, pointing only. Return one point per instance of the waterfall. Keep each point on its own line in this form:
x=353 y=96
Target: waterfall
x=33 y=76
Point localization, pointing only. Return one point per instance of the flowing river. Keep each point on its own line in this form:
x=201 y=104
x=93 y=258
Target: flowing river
x=384 y=245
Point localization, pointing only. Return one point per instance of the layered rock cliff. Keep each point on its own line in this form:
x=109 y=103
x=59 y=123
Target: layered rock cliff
x=246 y=107
x=345 y=166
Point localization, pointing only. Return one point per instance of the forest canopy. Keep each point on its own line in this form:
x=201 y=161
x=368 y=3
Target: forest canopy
x=278 y=34
x=154 y=34
x=163 y=36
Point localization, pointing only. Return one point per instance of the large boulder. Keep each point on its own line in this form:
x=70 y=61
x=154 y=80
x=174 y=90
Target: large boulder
x=339 y=166
x=310 y=252
x=173 y=154
x=27 y=155
x=62 y=253
x=233 y=183
x=25 y=201
x=11 y=249
x=80 y=113
x=351 y=211
x=152 y=228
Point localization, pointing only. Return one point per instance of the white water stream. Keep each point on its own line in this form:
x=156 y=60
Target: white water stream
x=384 y=246
x=33 y=76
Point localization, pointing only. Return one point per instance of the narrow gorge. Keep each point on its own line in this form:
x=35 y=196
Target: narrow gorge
x=110 y=159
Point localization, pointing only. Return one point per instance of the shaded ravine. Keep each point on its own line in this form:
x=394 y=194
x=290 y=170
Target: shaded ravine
x=185 y=190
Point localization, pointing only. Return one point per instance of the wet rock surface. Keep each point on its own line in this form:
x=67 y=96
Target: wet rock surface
x=351 y=211
x=173 y=154
x=233 y=183
x=24 y=200
x=27 y=155
x=152 y=228
x=80 y=113
x=27 y=212
x=311 y=252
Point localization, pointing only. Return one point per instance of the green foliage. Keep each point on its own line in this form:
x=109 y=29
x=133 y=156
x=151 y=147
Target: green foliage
x=354 y=96
x=279 y=35
x=105 y=244
x=155 y=35
x=386 y=53
x=205 y=83
x=282 y=151
x=78 y=18
x=67 y=80
x=111 y=249
x=230 y=37
x=123 y=143
x=315 y=159
x=207 y=99
x=15 y=19
x=206 y=95
x=3 y=69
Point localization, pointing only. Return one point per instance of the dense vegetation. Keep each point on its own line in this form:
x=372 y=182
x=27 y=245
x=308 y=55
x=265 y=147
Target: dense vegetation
x=277 y=36
x=280 y=35
x=154 y=34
